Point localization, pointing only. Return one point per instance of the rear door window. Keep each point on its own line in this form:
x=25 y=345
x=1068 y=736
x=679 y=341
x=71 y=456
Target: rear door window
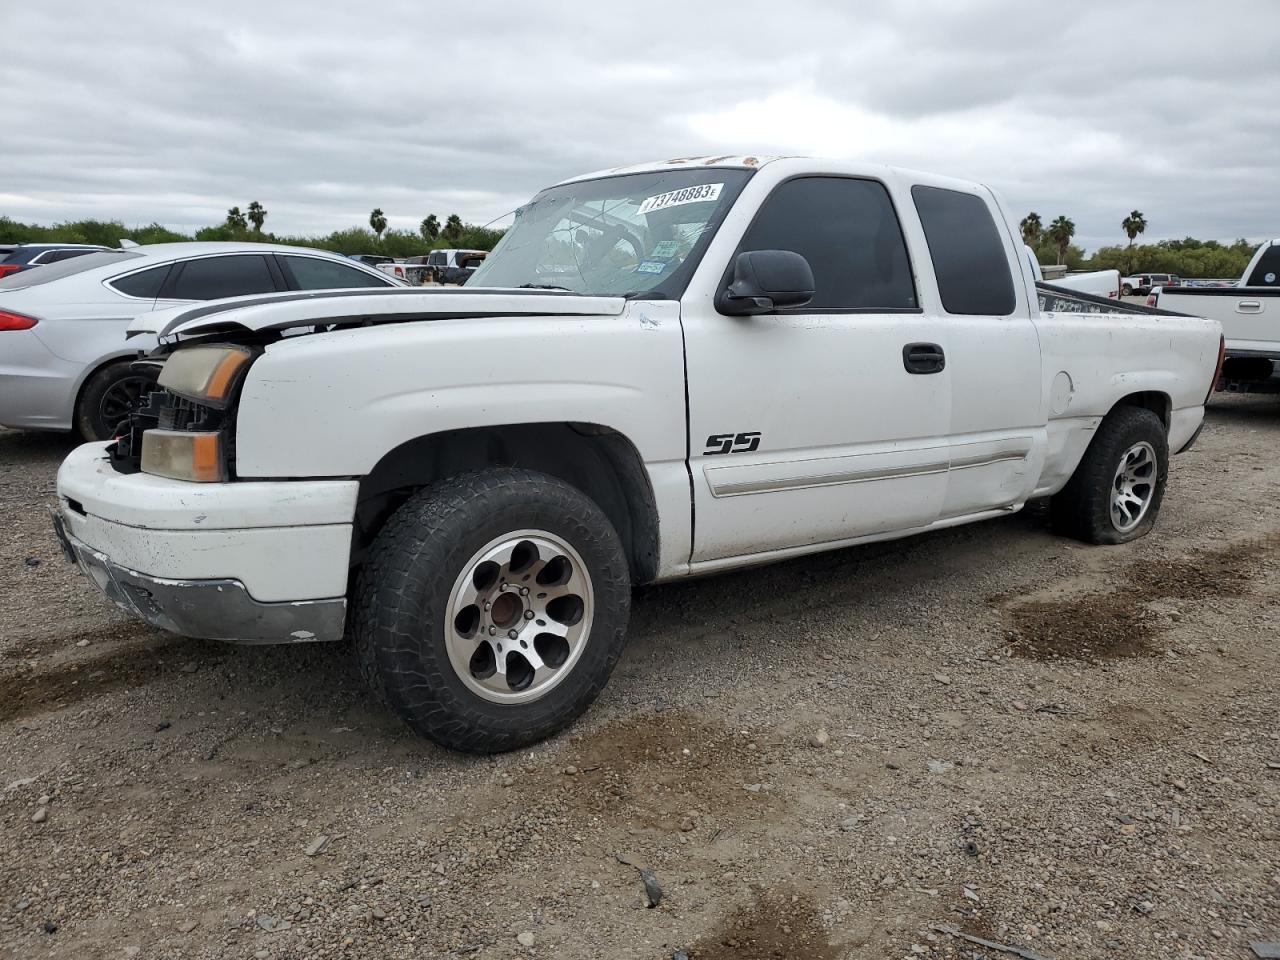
x=145 y=284
x=317 y=273
x=968 y=257
x=848 y=231
x=1267 y=272
x=212 y=278
x=57 y=256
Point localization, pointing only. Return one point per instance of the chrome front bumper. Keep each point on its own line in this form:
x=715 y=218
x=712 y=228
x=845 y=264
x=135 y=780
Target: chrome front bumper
x=209 y=609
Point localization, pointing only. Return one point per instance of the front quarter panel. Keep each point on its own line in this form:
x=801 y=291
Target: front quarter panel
x=332 y=404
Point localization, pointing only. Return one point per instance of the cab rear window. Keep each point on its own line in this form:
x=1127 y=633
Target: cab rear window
x=968 y=257
x=1267 y=272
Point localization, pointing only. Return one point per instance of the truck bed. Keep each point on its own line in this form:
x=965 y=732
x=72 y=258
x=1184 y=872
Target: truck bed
x=1250 y=318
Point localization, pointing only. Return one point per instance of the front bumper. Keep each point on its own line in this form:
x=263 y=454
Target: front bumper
x=210 y=609
x=249 y=562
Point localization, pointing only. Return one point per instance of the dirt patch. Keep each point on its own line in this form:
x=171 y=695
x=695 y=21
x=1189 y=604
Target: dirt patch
x=659 y=771
x=29 y=691
x=778 y=926
x=1114 y=624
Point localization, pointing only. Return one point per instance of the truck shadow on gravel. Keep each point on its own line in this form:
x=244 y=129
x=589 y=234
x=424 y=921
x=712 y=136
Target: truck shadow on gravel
x=1261 y=410
x=1116 y=624
x=26 y=691
x=131 y=656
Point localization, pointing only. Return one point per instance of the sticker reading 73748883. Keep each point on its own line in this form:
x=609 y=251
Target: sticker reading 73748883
x=704 y=191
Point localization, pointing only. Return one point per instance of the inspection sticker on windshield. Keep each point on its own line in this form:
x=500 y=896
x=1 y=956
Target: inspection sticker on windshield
x=705 y=191
x=664 y=249
x=651 y=266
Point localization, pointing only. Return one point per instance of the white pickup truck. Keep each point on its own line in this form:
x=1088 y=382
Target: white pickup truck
x=661 y=371
x=1249 y=313
x=1096 y=283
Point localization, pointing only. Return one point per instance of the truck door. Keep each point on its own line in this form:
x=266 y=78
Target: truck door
x=826 y=422
x=996 y=430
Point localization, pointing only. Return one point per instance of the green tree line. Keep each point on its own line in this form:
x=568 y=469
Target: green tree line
x=1191 y=258
x=1188 y=257
x=247 y=226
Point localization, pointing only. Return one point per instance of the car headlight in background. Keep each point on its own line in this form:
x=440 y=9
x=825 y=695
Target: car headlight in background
x=205 y=374
x=184 y=455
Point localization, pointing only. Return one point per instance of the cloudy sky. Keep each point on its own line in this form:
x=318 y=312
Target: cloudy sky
x=172 y=112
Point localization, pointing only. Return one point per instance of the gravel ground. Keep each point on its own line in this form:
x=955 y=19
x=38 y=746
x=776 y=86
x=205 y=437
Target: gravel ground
x=988 y=730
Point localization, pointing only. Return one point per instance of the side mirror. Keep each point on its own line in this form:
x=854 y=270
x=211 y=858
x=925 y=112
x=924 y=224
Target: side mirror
x=764 y=280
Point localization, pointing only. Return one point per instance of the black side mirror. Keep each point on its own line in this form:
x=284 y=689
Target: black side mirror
x=764 y=280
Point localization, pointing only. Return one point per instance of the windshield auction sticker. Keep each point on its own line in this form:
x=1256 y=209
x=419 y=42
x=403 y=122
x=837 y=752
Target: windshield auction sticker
x=702 y=192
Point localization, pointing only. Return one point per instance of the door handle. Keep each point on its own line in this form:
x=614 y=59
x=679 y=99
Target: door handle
x=923 y=358
x=1249 y=306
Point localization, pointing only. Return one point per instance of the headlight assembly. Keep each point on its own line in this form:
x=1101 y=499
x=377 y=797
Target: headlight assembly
x=206 y=375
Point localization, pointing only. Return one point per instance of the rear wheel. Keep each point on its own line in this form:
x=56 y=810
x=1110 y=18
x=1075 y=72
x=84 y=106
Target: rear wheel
x=492 y=609
x=1115 y=494
x=109 y=397
x=1127 y=290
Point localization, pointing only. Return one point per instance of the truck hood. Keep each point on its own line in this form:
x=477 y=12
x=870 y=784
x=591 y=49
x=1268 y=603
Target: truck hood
x=282 y=311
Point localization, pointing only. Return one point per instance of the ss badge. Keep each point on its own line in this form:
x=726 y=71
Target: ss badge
x=719 y=443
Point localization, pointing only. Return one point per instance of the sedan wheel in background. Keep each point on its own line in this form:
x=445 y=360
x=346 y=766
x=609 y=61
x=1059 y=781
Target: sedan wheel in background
x=109 y=397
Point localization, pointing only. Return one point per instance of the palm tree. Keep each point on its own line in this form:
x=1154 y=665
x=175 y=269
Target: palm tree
x=1134 y=224
x=1032 y=230
x=257 y=215
x=430 y=229
x=236 y=220
x=1060 y=233
x=452 y=233
x=378 y=221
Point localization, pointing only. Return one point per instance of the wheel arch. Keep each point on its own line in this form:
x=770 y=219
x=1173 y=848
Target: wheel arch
x=1159 y=403
x=90 y=371
x=600 y=461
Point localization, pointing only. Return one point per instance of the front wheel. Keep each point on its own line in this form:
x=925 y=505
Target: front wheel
x=492 y=609
x=1115 y=494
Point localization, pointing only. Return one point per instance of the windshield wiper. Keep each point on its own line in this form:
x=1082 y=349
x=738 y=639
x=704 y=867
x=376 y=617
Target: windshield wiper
x=542 y=286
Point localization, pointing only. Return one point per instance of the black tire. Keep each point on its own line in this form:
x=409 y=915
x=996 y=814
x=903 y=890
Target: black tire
x=107 y=397
x=1127 y=290
x=399 y=611
x=1083 y=507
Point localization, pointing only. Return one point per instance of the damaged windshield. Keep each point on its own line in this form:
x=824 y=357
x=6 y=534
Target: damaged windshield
x=617 y=236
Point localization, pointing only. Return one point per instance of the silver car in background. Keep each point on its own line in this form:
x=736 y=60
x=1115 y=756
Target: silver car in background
x=65 y=362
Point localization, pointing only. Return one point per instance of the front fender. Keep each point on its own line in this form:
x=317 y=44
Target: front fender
x=332 y=404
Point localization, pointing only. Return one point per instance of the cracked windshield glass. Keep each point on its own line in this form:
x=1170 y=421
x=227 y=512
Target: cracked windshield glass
x=616 y=236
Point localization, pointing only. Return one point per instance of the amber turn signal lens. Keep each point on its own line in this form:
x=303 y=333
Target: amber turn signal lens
x=183 y=455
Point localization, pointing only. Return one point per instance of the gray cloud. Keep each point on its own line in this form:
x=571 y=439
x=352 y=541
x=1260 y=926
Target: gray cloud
x=173 y=112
